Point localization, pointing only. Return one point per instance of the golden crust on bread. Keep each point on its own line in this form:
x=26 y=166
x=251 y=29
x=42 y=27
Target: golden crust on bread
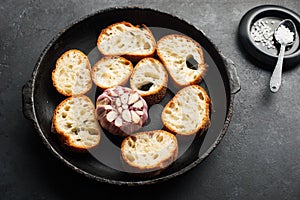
x=187 y=113
x=111 y=71
x=125 y=39
x=75 y=123
x=149 y=152
x=72 y=73
x=150 y=79
x=174 y=51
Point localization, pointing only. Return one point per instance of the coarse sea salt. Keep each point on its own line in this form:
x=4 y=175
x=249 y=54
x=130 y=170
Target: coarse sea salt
x=262 y=33
x=284 y=35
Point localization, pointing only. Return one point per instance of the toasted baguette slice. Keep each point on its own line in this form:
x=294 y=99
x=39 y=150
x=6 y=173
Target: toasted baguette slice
x=174 y=51
x=149 y=152
x=150 y=80
x=75 y=123
x=125 y=39
x=111 y=71
x=72 y=74
x=188 y=112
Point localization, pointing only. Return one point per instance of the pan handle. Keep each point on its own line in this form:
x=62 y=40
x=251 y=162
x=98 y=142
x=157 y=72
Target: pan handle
x=232 y=75
x=27 y=102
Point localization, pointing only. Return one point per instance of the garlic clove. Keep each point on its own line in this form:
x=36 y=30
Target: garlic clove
x=118 y=102
x=111 y=116
x=120 y=109
x=139 y=112
x=118 y=121
x=108 y=107
x=113 y=93
x=125 y=106
x=135 y=117
x=126 y=115
x=124 y=98
x=134 y=97
x=138 y=104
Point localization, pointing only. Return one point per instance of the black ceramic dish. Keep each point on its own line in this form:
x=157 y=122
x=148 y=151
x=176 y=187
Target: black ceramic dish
x=267 y=57
x=40 y=97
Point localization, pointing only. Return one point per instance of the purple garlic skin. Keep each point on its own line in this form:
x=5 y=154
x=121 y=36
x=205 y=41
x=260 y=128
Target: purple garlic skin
x=121 y=111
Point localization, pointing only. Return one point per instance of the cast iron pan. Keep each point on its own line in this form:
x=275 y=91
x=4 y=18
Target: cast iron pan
x=103 y=164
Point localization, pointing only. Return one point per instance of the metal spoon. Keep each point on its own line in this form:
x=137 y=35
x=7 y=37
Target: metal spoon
x=275 y=80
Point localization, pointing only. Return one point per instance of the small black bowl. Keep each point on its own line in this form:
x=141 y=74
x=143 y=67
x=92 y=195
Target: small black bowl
x=265 y=56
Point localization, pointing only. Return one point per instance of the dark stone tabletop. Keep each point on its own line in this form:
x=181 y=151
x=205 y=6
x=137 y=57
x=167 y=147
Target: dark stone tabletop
x=259 y=157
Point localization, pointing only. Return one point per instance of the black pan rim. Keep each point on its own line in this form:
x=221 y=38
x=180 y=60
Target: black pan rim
x=29 y=88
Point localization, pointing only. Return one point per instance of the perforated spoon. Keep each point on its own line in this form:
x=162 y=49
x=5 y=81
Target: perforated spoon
x=283 y=33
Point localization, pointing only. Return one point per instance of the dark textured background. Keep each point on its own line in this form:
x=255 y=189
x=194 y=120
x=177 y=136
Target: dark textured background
x=259 y=158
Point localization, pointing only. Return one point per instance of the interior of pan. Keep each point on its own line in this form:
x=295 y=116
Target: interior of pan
x=103 y=163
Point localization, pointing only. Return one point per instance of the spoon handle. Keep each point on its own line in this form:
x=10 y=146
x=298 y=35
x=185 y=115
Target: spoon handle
x=275 y=81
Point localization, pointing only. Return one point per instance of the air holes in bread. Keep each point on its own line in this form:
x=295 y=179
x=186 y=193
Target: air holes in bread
x=146 y=86
x=191 y=62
